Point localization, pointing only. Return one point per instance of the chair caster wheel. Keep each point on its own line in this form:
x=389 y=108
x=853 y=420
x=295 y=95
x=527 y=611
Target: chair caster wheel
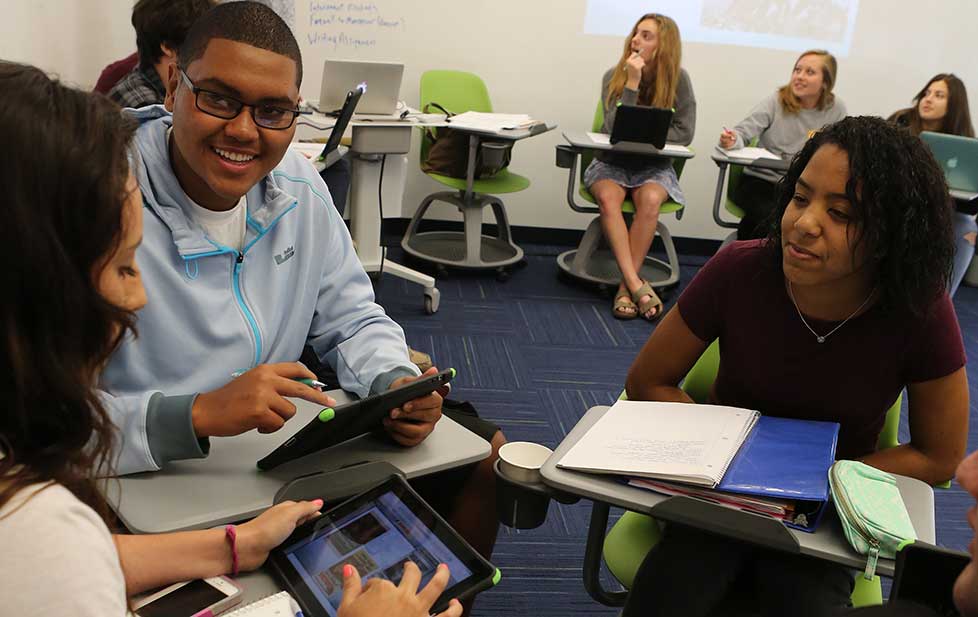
x=502 y=275
x=441 y=272
x=432 y=298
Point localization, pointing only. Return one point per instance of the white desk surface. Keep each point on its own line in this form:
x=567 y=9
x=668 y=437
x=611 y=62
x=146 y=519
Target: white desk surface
x=580 y=139
x=827 y=543
x=227 y=487
x=777 y=165
x=963 y=195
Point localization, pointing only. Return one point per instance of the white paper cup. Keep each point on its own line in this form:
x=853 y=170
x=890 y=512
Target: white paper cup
x=521 y=460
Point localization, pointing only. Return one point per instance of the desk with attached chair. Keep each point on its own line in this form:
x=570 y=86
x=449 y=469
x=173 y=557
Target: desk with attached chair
x=374 y=139
x=624 y=547
x=589 y=261
x=227 y=487
x=736 y=168
x=461 y=92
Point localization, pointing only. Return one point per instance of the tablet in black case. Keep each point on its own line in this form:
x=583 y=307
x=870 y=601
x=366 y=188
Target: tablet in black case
x=641 y=124
x=376 y=532
x=334 y=426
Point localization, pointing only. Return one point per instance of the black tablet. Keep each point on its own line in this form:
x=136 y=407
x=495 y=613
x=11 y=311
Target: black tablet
x=334 y=426
x=925 y=574
x=640 y=124
x=376 y=532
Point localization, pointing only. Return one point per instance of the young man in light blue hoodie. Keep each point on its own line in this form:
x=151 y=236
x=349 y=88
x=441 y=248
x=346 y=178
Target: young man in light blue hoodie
x=247 y=261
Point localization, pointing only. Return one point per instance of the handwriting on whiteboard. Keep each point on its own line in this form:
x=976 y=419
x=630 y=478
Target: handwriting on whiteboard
x=351 y=25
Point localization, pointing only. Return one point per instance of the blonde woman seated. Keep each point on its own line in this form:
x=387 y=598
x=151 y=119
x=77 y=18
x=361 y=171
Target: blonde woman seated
x=648 y=73
x=782 y=123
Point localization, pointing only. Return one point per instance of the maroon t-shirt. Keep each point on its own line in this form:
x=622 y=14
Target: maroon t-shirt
x=770 y=362
x=111 y=74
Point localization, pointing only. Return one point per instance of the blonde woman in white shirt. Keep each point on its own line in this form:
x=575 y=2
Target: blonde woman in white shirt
x=73 y=221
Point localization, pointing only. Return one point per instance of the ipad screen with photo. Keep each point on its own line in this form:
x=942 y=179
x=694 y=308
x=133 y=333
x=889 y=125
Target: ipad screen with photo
x=377 y=533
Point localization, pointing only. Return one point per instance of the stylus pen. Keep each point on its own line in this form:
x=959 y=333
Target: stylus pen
x=312 y=383
x=294 y=607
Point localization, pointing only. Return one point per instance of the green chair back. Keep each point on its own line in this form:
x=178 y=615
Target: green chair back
x=456 y=91
x=733 y=180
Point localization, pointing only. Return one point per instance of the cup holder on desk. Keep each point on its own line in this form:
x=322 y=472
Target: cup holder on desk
x=522 y=499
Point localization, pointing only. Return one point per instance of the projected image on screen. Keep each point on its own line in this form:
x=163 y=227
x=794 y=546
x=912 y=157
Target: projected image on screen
x=793 y=25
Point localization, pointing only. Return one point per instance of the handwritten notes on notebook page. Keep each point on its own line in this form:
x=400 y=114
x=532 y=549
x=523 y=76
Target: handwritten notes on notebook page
x=670 y=441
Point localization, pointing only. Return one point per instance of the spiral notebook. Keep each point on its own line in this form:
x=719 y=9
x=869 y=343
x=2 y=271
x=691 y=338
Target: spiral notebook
x=280 y=605
x=668 y=441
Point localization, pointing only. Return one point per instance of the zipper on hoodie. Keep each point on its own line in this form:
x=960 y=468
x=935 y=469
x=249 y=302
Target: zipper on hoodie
x=249 y=316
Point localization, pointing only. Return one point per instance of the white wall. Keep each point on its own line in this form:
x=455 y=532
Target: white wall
x=534 y=58
x=73 y=38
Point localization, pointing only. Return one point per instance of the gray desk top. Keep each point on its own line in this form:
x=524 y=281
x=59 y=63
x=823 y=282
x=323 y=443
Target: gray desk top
x=227 y=487
x=776 y=165
x=507 y=134
x=827 y=543
x=580 y=139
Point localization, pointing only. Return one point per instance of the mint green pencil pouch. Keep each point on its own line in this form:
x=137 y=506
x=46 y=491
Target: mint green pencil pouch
x=871 y=510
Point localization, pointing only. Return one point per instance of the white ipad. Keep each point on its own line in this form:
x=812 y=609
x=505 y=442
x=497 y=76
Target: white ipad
x=190 y=598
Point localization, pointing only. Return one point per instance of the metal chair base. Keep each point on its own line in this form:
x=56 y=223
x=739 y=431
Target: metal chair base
x=592 y=261
x=463 y=249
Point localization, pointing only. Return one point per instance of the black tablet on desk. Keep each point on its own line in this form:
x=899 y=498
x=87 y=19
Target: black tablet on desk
x=334 y=426
x=377 y=532
x=925 y=575
x=640 y=124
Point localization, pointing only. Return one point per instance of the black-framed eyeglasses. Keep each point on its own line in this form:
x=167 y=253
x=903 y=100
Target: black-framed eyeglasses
x=227 y=108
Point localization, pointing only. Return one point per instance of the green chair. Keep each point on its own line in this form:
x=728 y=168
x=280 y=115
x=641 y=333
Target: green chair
x=628 y=542
x=459 y=92
x=732 y=177
x=592 y=260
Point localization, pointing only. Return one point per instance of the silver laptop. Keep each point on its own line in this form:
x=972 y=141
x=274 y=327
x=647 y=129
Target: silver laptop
x=958 y=157
x=383 y=81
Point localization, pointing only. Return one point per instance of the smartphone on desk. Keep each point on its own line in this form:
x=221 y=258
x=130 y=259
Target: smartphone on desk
x=198 y=598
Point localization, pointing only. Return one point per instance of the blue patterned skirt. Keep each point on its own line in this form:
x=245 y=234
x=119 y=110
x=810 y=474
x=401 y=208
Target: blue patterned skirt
x=659 y=171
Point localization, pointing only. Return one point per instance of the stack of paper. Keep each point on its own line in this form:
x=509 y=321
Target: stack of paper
x=778 y=508
x=489 y=122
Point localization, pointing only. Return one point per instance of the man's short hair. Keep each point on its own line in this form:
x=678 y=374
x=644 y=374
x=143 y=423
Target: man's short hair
x=250 y=23
x=159 y=22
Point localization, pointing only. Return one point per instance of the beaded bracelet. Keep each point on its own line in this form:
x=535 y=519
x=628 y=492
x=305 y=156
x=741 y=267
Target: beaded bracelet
x=231 y=533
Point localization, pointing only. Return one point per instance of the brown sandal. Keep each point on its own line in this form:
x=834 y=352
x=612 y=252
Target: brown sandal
x=654 y=302
x=623 y=300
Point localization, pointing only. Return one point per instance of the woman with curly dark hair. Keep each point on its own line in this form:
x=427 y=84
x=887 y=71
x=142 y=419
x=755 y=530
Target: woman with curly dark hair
x=829 y=318
x=72 y=216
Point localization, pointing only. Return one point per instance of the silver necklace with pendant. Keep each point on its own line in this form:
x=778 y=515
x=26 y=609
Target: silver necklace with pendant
x=821 y=337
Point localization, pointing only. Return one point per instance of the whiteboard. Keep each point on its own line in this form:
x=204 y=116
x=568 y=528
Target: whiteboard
x=536 y=58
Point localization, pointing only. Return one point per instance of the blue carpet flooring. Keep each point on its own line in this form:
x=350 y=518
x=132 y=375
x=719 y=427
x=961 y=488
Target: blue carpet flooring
x=533 y=354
